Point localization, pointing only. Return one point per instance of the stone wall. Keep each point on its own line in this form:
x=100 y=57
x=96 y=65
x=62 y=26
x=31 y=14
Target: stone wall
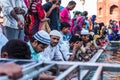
x=108 y=9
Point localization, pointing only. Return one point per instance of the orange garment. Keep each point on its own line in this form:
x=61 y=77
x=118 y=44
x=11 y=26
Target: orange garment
x=90 y=27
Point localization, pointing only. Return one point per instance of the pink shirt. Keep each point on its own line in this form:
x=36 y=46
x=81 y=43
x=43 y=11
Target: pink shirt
x=65 y=15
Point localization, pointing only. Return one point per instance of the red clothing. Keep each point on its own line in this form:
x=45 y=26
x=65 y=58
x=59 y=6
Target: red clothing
x=37 y=13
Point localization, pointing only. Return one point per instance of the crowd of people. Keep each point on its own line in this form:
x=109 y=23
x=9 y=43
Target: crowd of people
x=48 y=33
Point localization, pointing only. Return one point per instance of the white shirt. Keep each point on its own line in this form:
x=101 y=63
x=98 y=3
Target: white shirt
x=64 y=46
x=7 y=7
x=52 y=53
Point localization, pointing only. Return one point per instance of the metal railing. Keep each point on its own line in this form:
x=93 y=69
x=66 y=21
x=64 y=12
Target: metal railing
x=37 y=69
x=32 y=69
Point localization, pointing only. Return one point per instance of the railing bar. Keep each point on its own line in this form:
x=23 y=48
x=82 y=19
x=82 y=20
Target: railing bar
x=79 y=73
x=31 y=67
x=36 y=72
x=65 y=73
x=101 y=78
x=97 y=74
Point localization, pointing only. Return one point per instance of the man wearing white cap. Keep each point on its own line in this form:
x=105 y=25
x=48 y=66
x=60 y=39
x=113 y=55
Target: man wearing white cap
x=38 y=43
x=52 y=51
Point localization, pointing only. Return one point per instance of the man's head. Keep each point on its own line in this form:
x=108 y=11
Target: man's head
x=47 y=0
x=65 y=27
x=71 y=5
x=54 y=37
x=16 y=49
x=40 y=41
x=58 y=2
x=53 y=1
x=75 y=39
x=85 y=35
x=85 y=13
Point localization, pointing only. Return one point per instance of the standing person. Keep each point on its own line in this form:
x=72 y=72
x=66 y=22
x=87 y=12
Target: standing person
x=37 y=16
x=65 y=13
x=3 y=38
x=115 y=29
x=93 y=19
x=14 y=11
x=80 y=23
x=52 y=10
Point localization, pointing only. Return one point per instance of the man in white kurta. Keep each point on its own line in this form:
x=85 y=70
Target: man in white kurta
x=52 y=53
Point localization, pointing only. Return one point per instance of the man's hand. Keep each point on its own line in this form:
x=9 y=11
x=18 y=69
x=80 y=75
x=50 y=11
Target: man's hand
x=45 y=19
x=19 y=10
x=54 y=6
x=12 y=70
x=76 y=45
x=20 y=24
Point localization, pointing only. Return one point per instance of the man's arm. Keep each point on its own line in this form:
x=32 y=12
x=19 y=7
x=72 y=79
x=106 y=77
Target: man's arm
x=12 y=70
x=21 y=10
x=51 y=9
x=14 y=15
x=75 y=48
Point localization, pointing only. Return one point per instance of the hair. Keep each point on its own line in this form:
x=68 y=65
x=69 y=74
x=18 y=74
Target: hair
x=64 y=25
x=74 y=39
x=17 y=49
x=33 y=39
x=72 y=3
x=85 y=13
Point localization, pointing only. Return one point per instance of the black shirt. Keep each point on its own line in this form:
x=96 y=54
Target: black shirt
x=53 y=16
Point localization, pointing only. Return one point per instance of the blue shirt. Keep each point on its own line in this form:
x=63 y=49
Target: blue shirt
x=35 y=56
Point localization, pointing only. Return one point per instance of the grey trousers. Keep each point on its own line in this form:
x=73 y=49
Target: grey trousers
x=14 y=33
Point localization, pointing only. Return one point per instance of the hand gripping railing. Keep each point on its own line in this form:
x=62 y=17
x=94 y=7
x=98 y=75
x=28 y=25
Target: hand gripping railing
x=97 y=67
x=31 y=69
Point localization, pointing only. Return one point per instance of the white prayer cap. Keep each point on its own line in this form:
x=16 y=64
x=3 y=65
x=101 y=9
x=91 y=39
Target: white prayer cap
x=84 y=32
x=55 y=33
x=42 y=36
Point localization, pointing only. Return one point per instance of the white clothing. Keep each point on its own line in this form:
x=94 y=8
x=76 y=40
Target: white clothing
x=52 y=54
x=64 y=46
x=7 y=7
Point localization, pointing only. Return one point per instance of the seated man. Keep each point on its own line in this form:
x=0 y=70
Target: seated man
x=51 y=53
x=38 y=43
x=16 y=49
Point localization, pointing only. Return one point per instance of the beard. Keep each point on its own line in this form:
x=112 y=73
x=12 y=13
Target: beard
x=53 y=44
